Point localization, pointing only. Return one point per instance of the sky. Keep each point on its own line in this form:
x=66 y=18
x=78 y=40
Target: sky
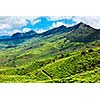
x=12 y=24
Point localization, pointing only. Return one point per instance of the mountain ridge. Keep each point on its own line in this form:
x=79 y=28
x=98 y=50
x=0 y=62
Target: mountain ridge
x=80 y=32
x=60 y=29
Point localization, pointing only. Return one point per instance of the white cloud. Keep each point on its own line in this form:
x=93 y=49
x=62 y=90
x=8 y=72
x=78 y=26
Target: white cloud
x=16 y=21
x=14 y=31
x=3 y=32
x=93 y=21
x=26 y=29
x=52 y=18
x=40 y=30
x=13 y=23
x=54 y=25
x=57 y=24
x=4 y=26
x=33 y=22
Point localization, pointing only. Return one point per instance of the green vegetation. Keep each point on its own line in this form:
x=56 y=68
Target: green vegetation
x=62 y=57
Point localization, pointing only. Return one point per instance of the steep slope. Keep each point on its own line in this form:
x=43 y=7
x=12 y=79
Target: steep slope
x=75 y=68
x=74 y=64
x=83 y=33
x=92 y=76
x=60 y=29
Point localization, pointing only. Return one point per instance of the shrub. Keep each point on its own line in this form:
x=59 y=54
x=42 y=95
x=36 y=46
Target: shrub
x=83 y=52
x=90 y=50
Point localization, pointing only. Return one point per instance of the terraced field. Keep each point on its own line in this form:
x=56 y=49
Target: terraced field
x=80 y=67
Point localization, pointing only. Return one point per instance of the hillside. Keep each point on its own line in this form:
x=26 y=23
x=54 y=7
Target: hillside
x=62 y=54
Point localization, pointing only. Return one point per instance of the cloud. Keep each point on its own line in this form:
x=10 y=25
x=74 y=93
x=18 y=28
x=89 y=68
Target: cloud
x=16 y=30
x=4 y=26
x=40 y=30
x=33 y=22
x=12 y=32
x=93 y=21
x=26 y=29
x=54 y=25
x=13 y=23
x=57 y=24
x=54 y=18
x=16 y=21
x=3 y=32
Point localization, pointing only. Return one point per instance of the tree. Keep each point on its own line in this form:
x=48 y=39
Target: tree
x=90 y=50
x=83 y=52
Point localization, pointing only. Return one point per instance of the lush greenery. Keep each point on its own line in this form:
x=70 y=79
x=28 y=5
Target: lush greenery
x=58 y=55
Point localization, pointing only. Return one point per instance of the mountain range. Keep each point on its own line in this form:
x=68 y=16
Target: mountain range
x=80 y=32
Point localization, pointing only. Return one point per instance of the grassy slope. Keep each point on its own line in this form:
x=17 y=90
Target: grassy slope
x=92 y=76
x=69 y=69
x=46 y=60
x=36 y=49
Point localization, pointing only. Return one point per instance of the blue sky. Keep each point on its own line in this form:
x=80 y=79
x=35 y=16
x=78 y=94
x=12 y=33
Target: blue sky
x=12 y=24
x=43 y=23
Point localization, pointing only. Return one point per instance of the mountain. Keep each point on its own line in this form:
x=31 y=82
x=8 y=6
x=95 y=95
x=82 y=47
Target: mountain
x=80 y=33
x=29 y=34
x=4 y=37
x=53 y=31
x=16 y=39
x=77 y=33
x=83 y=33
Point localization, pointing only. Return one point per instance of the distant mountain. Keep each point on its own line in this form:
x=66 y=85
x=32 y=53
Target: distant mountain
x=29 y=34
x=80 y=32
x=4 y=37
x=59 y=29
x=77 y=33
